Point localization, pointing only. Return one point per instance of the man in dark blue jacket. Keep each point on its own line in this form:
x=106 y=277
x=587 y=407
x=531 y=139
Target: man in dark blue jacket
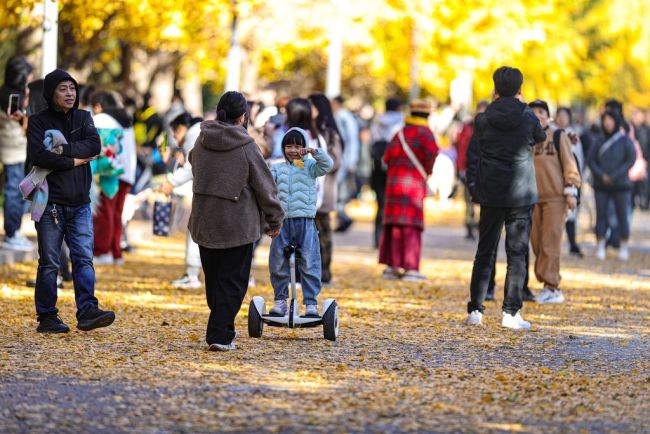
x=67 y=213
x=506 y=189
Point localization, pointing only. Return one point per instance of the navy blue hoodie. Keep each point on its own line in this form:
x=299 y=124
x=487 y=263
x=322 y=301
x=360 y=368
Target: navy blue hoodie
x=68 y=185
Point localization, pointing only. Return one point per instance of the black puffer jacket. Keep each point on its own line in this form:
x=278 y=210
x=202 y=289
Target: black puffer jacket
x=506 y=133
x=68 y=185
x=613 y=156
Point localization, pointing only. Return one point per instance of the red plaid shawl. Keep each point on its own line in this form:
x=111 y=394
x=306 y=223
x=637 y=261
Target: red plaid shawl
x=405 y=187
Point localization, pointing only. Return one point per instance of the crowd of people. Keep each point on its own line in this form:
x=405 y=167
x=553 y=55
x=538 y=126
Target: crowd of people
x=85 y=157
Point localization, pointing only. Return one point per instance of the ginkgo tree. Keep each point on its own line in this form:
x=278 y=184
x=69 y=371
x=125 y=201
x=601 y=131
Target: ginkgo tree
x=571 y=51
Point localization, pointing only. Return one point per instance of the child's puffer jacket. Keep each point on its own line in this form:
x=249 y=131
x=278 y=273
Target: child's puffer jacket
x=297 y=184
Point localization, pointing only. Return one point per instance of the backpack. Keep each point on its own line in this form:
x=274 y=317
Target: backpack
x=556 y=142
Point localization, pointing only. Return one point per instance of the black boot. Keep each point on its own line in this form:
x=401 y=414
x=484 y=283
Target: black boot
x=51 y=324
x=528 y=294
x=94 y=318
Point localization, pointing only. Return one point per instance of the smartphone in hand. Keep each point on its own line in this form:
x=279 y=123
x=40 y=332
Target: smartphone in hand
x=14 y=103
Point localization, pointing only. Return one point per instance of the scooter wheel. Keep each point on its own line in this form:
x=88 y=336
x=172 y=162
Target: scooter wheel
x=255 y=324
x=331 y=322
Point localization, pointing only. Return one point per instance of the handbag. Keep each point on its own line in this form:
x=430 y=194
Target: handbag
x=639 y=170
x=418 y=166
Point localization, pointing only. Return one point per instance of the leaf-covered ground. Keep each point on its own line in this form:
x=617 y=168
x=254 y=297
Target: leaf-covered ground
x=403 y=363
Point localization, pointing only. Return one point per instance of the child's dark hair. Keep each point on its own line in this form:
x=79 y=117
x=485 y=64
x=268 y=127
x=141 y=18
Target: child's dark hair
x=294 y=137
x=231 y=106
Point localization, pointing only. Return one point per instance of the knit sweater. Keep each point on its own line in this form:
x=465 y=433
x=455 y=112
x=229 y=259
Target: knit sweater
x=297 y=183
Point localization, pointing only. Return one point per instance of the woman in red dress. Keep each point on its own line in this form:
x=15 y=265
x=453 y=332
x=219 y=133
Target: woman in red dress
x=409 y=157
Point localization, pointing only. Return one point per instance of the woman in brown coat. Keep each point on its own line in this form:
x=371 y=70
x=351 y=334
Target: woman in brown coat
x=234 y=194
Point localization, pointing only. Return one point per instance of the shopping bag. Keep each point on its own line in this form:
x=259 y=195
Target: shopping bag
x=162 y=215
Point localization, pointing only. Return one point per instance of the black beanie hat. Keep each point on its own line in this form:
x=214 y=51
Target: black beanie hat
x=507 y=81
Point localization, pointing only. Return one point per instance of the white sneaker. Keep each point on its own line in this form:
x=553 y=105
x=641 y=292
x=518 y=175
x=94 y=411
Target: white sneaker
x=559 y=297
x=279 y=308
x=105 y=259
x=187 y=282
x=414 y=276
x=515 y=322
x=601 y=252
x=18 y=242
x=220 y=347
x=390 y=273
x=545 y=296
x=311 y=310
x=624 y=252
x=251 y=282
x=118 y=261
x=474 y=319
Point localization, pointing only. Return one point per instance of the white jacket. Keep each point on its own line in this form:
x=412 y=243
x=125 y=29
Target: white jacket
x=181 y=177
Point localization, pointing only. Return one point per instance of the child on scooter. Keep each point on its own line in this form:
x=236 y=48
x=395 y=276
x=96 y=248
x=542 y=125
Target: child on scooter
x=296 y=181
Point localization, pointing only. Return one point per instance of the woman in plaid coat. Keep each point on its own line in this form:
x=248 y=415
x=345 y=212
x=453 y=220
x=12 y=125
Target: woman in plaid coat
x=401 y=240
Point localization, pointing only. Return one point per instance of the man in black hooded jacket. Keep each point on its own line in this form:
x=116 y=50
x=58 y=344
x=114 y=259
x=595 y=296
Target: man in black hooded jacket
x=506 y=189
x=67 y=213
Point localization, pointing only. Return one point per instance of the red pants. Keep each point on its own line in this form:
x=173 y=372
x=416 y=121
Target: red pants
x=108 y=223
x=400 y=247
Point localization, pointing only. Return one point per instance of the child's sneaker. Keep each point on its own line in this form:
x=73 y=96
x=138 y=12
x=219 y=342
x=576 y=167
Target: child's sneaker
x=311 y=311
x=279 y=308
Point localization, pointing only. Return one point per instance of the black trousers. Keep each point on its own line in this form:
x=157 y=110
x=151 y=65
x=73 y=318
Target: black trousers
x=518 y=222
x=226 y=281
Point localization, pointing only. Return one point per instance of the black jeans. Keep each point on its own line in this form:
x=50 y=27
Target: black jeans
x=226 y=281
x=517 y=222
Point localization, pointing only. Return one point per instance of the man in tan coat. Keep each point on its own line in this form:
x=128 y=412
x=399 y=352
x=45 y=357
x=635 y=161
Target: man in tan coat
x=558 y=180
